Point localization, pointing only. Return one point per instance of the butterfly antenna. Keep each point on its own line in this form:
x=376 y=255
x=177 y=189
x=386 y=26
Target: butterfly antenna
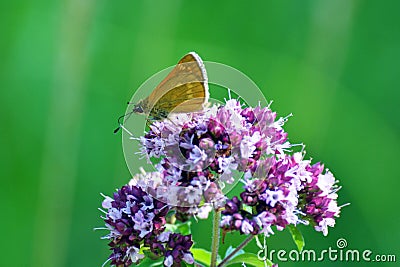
x=119 y=124
x=121 y=121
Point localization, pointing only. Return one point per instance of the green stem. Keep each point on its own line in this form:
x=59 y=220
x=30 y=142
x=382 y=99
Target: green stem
x=215 y=238
x=233 y=253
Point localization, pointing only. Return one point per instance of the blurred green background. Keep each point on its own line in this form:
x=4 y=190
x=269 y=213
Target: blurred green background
x=68 y=67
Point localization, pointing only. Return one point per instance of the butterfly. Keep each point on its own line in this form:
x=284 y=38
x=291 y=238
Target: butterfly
x=184 y=90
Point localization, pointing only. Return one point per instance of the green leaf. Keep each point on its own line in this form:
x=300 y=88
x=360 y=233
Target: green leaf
x=171 y=227
x=247 y=208
x=201 y=255
x=248 y=258
x=297 y=237
x=147 y=252
x=180 y=228
x=146 y=262
x=231 y=249
x=184 y=228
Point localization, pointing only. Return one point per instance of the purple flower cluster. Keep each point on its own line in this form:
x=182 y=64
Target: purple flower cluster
x=197 y=157
x=136 y=221
x=318 y=198
x=201 y=153
x=176 y=249
x=284 y=190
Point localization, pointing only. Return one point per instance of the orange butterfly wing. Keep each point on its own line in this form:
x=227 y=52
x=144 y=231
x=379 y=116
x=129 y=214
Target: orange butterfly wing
x=185 y=89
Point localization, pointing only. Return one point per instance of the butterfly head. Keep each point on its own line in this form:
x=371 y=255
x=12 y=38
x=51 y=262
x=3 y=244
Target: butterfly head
x=140 y=107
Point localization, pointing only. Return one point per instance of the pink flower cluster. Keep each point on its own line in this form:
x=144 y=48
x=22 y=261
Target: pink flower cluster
x=201 y=153
x=197 y=157
x=284 y=190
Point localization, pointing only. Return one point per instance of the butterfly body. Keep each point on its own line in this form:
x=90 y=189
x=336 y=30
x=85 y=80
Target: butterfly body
x=154 y=113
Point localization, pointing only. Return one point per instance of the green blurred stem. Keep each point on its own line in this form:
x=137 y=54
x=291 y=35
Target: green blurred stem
x=233 y=253
x=215 y=238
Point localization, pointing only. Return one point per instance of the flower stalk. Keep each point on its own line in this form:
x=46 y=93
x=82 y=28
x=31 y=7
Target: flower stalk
x=236 y=250
x=215 y=238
